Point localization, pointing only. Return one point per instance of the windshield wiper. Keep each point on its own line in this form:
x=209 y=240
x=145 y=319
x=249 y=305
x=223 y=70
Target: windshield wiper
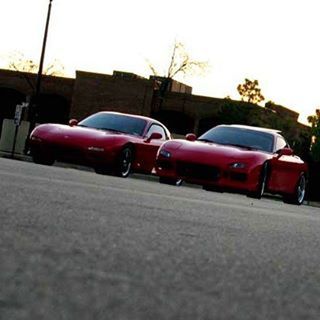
x=240 y=146
x=113 y=130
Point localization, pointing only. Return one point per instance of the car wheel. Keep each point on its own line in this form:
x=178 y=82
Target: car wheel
x=300 y=191
x=124 y=162
x=44 y=159
x=257 y=194
x=171 y=181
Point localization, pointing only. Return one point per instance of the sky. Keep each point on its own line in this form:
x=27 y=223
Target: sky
x=273 y=41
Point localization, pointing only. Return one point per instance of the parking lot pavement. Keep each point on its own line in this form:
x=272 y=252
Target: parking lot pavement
x=28 y=158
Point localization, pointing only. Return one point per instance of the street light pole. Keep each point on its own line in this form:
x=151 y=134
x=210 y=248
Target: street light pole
x=34 y=104
x=43 y=51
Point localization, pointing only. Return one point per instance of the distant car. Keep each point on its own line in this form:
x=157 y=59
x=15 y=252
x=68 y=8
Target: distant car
x=110 y=142
x=245 y=159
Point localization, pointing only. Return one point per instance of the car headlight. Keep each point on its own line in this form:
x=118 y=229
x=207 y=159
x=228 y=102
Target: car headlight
x=164 y=153
x=237 y=165
x=35 y=138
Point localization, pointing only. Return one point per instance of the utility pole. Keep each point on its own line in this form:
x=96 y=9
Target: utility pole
x=34 y=104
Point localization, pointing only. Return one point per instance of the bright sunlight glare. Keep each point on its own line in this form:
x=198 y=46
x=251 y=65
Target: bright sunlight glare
x=272 y=41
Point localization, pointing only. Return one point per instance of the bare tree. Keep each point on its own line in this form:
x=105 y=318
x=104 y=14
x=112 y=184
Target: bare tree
x=180 y=63
x=18 y=62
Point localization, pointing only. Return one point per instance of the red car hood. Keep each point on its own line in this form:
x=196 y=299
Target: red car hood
x=210 y=153
x=56 y=133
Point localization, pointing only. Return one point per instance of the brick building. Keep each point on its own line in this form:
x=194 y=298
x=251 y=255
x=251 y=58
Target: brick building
x=64 y=98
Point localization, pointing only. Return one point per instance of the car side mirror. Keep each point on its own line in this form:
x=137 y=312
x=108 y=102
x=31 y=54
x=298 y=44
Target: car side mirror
x=191 y=137
x=73 y=122
x=285 y=152
x=154 y=136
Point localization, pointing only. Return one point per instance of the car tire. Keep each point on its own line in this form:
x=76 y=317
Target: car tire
x=45 y=159
x=257 y=194
x=124 y=162
x=170 y=181
x=298 y=196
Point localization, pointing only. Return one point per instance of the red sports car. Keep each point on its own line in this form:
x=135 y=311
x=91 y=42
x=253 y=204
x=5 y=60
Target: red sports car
x=110 y=142
x=246 y=159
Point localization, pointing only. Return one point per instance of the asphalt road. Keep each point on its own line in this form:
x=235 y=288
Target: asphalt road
x=76 y=245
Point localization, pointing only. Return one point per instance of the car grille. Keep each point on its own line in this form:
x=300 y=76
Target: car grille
x=164 y=164
x=197 y=171
x=238 y=176
x=69 y=154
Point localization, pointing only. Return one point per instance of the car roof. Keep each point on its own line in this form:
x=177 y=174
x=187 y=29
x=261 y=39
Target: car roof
x=240 y=126
x=148 y=119
x=129 y=115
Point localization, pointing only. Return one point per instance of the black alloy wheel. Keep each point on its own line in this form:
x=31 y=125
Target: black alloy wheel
x=300 y=192
x=124 y=162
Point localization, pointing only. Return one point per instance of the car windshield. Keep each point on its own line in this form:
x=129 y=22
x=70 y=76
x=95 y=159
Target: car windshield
x=240 y=137
x=115 y=122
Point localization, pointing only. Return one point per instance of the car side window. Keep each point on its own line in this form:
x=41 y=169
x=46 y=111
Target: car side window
x=156 y=128
x=281 y=143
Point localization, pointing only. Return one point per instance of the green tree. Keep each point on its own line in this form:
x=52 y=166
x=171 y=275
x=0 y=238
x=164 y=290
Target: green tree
x=269 y=105
x=250 y=91
x=314 y=120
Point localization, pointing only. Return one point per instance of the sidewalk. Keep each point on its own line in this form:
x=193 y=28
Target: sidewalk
x=16 y=156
